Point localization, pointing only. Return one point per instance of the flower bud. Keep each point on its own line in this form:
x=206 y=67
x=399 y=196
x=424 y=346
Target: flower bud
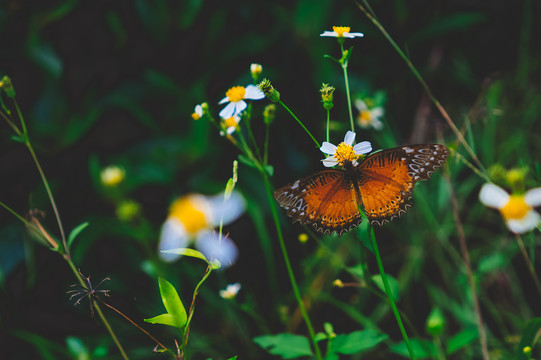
x=270 y=92
x=327 y=96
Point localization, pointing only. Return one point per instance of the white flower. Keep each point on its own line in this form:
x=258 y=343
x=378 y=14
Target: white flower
x=230 y=125
x=198 y=112
x=230 y=291
x=192 y=217
x=517 y=210
x=345 y=151
x=369 y=117
x=341 y=32
x=236 y=96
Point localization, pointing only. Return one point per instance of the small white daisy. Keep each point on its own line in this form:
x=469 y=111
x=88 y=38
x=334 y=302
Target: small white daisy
x=345 y=151
x=236 y=96
x=230 y=125
x=369 y=117
x=231 y=291
x=342 y=32
x=517 y=210
x=198 y=112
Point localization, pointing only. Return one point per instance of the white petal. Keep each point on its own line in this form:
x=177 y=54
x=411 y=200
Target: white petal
x=224 y=100
x=493 y=196
x=360 y=105
x=349 y=138
x=173 y=236
x=253 y=93
x=224 y=250
x=329 y=33
x=377 y=124
x=377 y=112
x=362 y=148
x=239 y=107
x=330 y=161
x=328 y=148
x=199 y=110
x=533 y=197
x=527 y=223
x=227 y=111
x=228 y=210
x=352 y=35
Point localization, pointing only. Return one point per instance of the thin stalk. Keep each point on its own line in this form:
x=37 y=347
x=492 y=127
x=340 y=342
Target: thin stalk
x=328 y=123
x=529 y=263
x=266 y=149
x=469 y=272
x=344 y=65
x=389 y=293
x=192 y=305
x=98 y=310
x=300 y=123
x=296 y=291
x=371 y=16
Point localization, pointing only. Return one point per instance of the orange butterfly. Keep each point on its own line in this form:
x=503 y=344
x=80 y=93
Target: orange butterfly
x=382 y=183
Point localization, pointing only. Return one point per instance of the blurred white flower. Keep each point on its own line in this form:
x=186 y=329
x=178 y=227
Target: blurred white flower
x=112 y=175
x=193 y=217
x=230 y=291
x=369 y=117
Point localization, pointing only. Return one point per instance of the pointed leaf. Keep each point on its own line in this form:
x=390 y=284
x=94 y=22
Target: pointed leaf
x=172 y=303
x=357 y=341
x=187 y=252
x=164 y=319
x=288 y=346
x=73 y=234
x=462 y=339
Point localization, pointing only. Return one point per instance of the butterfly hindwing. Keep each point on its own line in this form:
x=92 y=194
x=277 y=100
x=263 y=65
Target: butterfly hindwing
x=326 y=200
x=386 y=178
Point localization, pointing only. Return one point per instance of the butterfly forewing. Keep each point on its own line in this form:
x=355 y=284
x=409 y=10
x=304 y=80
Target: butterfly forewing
x=386 y=178
x=325 y=200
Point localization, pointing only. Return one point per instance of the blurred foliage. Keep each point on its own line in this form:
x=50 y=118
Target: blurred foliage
x=116 y=82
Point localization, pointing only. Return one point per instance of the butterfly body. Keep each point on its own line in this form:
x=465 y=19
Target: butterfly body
x=381 y=184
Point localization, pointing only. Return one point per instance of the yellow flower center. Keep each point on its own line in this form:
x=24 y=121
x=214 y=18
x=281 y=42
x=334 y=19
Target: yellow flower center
x=365 y=117
x=516 y=208
x=340 y=30
x=236 y=93
x=196 y=116
x=230 y=122
x=344 y=153
x=190 y=211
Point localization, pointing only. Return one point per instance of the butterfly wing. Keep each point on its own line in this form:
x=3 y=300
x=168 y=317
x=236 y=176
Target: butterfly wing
x=386 y=178
x=326 y=200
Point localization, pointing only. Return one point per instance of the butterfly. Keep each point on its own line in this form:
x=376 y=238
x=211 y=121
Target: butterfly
x=382 y=183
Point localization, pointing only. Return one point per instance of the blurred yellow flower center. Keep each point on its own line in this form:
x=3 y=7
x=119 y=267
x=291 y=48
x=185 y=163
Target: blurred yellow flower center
x=236 y=93
x=196 y=116
x=516 y=208
x=365 y=117
x=112 y=175
x=230 y=122
x=344 y=153
x=340 y=30
x=190 y=211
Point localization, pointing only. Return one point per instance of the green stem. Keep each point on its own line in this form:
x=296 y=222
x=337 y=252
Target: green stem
x=98 y=310
x=344 y=64
x=389 y=293
x=296 y=291
x=266 y=148
x=192 y=306
x=328 y=123
x=300 y=123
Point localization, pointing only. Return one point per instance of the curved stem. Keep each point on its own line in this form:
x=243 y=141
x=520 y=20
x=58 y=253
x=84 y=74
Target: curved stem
x=389 y=293
x=294 y=285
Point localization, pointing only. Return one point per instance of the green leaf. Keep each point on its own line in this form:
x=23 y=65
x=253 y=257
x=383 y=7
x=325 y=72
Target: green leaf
x=393 y=284
x=461 y=340
x=73 y=234
x=164 y=319
x=233 y=358
x=187 y=252
x=288 y=346
x=172 y=304
x=422 y=348
x=357 y=341
x=528 y=336
x=247 y=161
